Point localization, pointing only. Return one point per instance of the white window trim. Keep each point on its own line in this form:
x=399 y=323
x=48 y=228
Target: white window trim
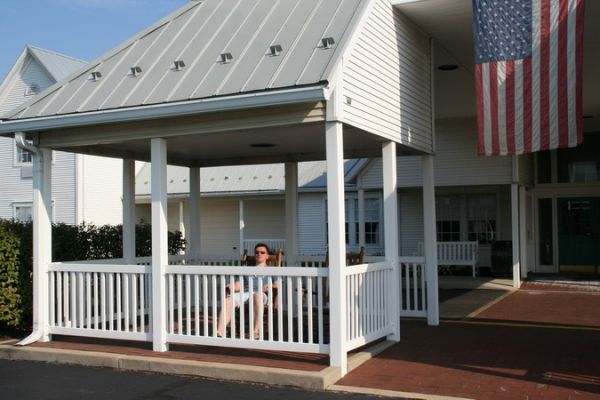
x=16 y=204
x=16 y=161
x=352 y=196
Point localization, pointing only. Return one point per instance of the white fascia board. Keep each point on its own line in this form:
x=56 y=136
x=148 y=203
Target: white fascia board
x=228 y=103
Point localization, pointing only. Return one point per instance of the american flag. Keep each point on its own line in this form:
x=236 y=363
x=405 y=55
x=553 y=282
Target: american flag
x=528 y=66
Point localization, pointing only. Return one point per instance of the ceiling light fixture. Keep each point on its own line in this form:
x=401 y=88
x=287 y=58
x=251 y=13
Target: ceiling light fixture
x=262 y=145
x=447 y=67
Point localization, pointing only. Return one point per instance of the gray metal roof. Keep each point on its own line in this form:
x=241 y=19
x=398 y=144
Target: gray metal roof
x=228 y=47
x=243 y=179
x=59 y=66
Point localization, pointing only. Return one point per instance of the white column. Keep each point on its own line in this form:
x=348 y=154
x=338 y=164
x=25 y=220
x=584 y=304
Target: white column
x=430 y=242
x=361 y=218
x=390 y=217
x=291 y=212
x=42 y=239
x=242 y=228
x=523 y=230
x=129 y=211
x=160 y=257
x=337 y=245
x=514 y=197
x=193 y=243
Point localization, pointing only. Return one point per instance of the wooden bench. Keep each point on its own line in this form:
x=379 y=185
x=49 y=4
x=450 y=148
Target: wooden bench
x=456 y=253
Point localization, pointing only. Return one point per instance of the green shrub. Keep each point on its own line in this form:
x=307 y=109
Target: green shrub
x=11 y=304
x=69 y=243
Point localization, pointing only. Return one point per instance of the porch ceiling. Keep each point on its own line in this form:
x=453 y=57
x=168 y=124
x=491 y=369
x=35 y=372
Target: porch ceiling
x=301 y=142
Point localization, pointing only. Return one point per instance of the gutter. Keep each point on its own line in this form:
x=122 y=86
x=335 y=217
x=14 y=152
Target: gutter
x=155 y=111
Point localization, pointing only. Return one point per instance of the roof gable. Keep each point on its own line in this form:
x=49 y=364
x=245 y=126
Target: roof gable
x=227 y=47
x=59 y=66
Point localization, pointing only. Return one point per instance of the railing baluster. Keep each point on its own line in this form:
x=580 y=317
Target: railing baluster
x=214 y=304
x=96 y=301
x=103 y=299
x=178 y=289
x=134 y=308
x=299 y=308
x=279 y=309
x=320 y=301
x=142 y=303
x=171 y=309
x=119 y=309
x=270 y=306
x=59 y=298
x=188 y=305
x=52 y=296
x=232 y=310
x=126 y=302
x=196 y=305
x=290 y=301
x=111 y=315
x=242 y=312
x=309 y=307
x=205 y=303
x=73 y=299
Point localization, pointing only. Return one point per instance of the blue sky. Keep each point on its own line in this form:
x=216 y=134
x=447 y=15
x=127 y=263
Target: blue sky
x=84 y=29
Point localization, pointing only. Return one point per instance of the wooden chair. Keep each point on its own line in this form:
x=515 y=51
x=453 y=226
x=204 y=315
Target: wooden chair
x=351 y=259
x=274 y=260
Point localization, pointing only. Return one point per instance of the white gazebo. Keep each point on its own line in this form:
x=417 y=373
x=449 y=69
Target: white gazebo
x=223 y=82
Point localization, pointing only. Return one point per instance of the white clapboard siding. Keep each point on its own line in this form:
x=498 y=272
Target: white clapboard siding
x=387 y=79
x=411 y=221
x=311 y=225
x=264 y=219
x=102 y=190
x=456 y=162
x=219 y=227
x=14 y=93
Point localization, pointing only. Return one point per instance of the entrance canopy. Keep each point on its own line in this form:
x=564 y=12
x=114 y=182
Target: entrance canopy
x=228 y=82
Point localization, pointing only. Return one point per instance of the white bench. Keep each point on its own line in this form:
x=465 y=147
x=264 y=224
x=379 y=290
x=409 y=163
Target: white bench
x=456 y=253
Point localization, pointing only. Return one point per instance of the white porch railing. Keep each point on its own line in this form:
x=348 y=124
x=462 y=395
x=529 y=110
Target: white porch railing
x=106 y=301
x=367 y=303
x=413 y=297
x=294 y=321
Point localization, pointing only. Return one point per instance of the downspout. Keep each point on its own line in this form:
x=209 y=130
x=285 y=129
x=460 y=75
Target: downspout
x=23 y=144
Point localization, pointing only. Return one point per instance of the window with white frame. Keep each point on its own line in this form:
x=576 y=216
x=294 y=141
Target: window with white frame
x=373 y=217
x=23 y=212
x=481 y=218
x=466 y=217
x=447 y=210
x=22 y=157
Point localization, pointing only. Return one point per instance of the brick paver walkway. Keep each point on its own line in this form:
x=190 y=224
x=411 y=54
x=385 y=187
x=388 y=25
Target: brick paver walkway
x=534 y=344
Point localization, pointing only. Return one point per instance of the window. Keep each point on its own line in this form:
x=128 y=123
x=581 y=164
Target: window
x=32 y=89
x=372 y=218
x=22 y=157
x=447 y=210
x=23 y=212
x=481 y=217
x=582 y=163
x=466 y=217
x=372 y=221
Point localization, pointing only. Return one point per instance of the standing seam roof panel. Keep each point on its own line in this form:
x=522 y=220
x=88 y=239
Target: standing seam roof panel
x=198 y=33
x=290 y=30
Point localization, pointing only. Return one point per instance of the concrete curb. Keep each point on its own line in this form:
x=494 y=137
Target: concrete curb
x=268 y=375
x=316 y=380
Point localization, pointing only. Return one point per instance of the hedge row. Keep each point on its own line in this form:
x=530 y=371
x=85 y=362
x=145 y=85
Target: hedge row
x=69 y=243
